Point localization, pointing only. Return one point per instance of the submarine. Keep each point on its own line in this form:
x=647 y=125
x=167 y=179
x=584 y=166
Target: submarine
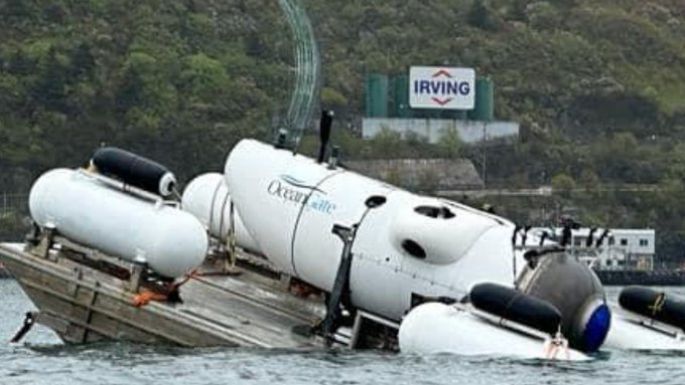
x=452 y=278
x=377 y=248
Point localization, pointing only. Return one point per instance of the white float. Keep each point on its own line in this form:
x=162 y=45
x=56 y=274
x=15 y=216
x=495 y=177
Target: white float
x=647 y=319
x=632 y=332
x=86 y=210
x=434 y=328
x=206 y=197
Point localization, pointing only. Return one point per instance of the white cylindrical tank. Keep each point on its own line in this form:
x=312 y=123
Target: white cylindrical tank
x=171 y=241
x=627 y=334
x=438 y=328
x=206 y=197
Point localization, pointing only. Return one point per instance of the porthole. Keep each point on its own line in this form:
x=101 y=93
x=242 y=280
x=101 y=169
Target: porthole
x=438 y=212
x=414 y=249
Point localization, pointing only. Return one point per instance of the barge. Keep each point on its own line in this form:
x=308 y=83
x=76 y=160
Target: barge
x=86 y=296
x=3 y=272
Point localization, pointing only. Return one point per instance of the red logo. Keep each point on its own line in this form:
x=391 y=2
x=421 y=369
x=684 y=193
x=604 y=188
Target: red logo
x=442 y=72
x=437 y=74
x=441 y=102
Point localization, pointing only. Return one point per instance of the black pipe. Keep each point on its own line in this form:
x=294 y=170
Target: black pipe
x=590 y=237
x=131 y=169
x=325 y=125
x=653 y=304
x=516 y=306
x=600 y=240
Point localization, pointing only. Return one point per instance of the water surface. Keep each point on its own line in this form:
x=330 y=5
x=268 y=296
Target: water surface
x=42 y=359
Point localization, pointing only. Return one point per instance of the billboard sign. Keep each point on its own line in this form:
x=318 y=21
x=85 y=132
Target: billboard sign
x=442 y=88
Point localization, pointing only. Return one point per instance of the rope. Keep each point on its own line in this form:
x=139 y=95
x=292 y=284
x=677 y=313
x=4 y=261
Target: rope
x=231 y=234
x=170 y=294
x=658 y=304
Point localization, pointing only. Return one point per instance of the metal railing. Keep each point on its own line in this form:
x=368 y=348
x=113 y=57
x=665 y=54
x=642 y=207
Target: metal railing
x=13 y=202
x=307 y=69
x=14 y=209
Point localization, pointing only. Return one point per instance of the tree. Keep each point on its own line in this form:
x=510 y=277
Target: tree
x=479 y=16
x=203 y=78
x=82 y=61
x=450 y=143
x=564 y=184
x=50 y=89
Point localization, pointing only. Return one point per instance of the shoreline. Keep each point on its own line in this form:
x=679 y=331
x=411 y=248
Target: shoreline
x=640 y=277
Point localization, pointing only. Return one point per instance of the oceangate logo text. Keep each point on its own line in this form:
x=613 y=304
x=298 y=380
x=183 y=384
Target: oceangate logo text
x=292 y=190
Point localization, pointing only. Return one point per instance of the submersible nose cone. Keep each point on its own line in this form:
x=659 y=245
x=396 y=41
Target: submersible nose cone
x=596 y=328
x=574 y=289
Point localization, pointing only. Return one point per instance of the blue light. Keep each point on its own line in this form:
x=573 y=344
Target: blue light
x=597 y=328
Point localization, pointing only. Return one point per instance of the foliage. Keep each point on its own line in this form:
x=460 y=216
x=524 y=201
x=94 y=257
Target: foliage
x=176 y=81
x=598 y=86
x=450 y=143
x=564 y=184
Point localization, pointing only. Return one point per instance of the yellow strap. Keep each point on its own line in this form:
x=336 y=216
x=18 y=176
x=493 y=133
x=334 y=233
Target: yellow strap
x=658 y=304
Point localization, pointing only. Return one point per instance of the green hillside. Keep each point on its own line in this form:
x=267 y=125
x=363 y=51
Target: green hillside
x=598 y=85
x=178 y=81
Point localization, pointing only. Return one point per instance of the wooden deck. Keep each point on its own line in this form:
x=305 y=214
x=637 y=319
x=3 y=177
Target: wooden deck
x=85 y=304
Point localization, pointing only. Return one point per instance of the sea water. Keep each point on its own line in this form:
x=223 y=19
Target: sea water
x=42 y=359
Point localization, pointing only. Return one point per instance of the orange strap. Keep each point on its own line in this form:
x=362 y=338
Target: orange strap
x=145 y=296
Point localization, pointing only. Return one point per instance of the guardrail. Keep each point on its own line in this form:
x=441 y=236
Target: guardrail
x=14 y=208
x=13 y=202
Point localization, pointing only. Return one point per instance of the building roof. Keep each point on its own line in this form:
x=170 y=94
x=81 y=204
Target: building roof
x=421 y=174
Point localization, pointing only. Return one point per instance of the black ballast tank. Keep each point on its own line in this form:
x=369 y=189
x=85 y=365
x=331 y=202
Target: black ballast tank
x=134 y=170
x=515 y=306
x=653 y=304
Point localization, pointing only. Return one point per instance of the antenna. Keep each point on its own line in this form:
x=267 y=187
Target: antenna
x=325 y=125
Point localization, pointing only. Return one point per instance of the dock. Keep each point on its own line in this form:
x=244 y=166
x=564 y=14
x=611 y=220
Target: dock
x=84 y=302
x=661 y=277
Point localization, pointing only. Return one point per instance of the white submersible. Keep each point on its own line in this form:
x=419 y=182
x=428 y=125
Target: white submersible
x=384 y=250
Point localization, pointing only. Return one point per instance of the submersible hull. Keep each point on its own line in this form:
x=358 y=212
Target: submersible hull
x=405 y=246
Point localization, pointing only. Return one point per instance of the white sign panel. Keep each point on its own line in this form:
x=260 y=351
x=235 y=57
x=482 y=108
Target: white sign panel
x=442 y=88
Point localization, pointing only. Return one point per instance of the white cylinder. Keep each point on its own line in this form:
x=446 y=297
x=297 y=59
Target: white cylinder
x=627 y=334
x=206 y=197
x=437 y=328
x=289 y=204
x=171 y=241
